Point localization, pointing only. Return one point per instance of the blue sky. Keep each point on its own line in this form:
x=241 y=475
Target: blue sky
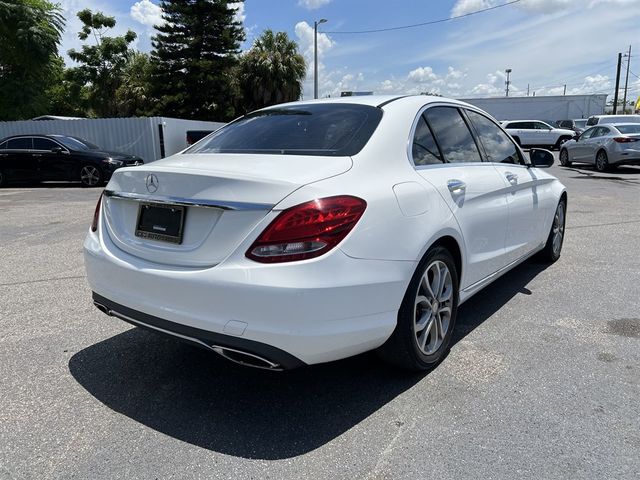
x=547 y=43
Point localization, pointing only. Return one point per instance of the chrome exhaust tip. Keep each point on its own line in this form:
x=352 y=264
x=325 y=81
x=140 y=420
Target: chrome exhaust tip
x=245 y=358
x=102 y=308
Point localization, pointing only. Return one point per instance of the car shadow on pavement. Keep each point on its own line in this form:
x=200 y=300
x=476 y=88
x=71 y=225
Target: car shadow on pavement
x=192 y=395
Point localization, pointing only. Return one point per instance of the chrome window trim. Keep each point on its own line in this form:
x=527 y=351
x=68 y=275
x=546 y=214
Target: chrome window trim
x=189 y=202
x=64 y=149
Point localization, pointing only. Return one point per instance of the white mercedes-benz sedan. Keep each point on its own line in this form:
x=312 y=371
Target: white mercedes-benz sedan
x=312 y=231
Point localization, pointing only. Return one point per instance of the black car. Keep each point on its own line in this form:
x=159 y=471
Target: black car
x=58 y=157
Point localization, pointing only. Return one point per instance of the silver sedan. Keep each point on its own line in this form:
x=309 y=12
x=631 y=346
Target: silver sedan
x=604 y=146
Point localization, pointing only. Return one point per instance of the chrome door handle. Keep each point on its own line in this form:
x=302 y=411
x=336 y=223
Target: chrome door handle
x=511 y=177
x=37 y=154
x=456 y=186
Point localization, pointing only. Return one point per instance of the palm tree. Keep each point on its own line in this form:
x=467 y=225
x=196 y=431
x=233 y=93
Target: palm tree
x=271 y=71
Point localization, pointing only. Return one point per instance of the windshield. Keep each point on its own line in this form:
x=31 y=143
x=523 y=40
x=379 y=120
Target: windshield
x=628 y=128
x=336 y=129
x=76 y=143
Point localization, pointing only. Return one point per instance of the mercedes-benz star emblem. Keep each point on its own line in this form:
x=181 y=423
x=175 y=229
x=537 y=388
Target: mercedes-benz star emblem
x=152 y=183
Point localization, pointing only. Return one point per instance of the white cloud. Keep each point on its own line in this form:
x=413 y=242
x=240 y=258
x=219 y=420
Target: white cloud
x=463 y=7
x=239 y=15
x=147 y=13
x=422 y=75
x=313 y=4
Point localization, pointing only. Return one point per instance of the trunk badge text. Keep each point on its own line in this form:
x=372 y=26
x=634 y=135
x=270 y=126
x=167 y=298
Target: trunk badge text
x=152 y=183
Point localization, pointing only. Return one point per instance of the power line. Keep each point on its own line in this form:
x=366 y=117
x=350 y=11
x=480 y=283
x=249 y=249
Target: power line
x=432 y=22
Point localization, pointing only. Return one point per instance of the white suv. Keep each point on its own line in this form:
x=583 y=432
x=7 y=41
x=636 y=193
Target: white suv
x=529 y=133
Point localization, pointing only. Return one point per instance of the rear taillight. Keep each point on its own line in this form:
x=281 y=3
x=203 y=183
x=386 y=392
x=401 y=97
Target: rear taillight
x=626 y=139
x=96 y=214
x=307 y=230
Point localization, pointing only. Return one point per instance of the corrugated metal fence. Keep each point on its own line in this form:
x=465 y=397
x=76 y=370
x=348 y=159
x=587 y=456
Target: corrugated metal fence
x=136 y=136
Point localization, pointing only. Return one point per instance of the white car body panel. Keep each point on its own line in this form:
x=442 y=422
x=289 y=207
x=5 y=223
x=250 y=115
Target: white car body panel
x=346 y=301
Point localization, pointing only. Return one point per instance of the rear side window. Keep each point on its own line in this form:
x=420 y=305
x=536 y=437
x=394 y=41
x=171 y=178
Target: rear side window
x=592 y=121
x=424 y=148
x=588 y=134
x=44 y=144
x=3 y=145
x=453 y=135
x=334 y=129
x=497 y=144
x=22 y=143
x=566 y=124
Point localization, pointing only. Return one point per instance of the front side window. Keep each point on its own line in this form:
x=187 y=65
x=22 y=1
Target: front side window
x=44 y=144
x=314 y=129
x=453 y=135
x=588 y=134
x=497 y=144
x=424 y=149
x=22 y=143
x=602 y=131
x=541 y=126
x=73 y=143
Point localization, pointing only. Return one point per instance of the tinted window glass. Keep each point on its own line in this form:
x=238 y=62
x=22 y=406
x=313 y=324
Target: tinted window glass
x=3 y=145
x=497 y=144
x=43 y=144
x=73 y=143
x=541 y=126
x=592 y=121
x=566 y=124
x=453 y=135
x=587 y=134
x=425 y=150
x=621 y=129
x=601 y=131
x=316 y=129
x=521 y=125
x=22 y=143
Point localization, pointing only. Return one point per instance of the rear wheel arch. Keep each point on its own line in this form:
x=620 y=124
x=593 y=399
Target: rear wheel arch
x=453 y=247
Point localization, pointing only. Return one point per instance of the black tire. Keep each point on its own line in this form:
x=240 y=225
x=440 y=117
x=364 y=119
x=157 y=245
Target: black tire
x=602 y=161
x=560 y=141
x=90 y=175
x=553 y=248
x=564 y=158
x=3 y=179
x=402 y=348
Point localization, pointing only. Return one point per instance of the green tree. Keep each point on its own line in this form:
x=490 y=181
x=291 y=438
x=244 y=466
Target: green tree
x=193 y=57
x=271 y=72
x=67 y=95
x=30 y=32
x=134 y=93
x=101 y=63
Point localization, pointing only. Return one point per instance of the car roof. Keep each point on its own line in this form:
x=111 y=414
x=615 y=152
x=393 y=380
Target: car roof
x=377 y=100
x=527 y=120
x=620 y=124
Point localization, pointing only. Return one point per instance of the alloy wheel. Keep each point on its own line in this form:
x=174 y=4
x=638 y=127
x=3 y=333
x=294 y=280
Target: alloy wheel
x=601 y=162
x=558 y=229
x=89 y=175
x=433 y=304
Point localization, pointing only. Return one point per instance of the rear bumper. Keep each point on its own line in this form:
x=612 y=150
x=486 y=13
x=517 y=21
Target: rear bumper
x=625 y=157
x=299 y=313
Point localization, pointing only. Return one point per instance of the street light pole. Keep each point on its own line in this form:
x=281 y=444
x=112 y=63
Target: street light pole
x=508 y=72
x=315 y=55
x=626 y=81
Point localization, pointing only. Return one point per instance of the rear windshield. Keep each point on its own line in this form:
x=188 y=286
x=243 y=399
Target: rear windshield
x=628 y=128
x=335 y=129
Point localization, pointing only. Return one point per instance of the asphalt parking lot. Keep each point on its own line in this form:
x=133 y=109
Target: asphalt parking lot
x=543 y=379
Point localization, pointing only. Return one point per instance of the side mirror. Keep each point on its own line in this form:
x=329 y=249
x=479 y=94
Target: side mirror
x=541 y=158
x=56 y=150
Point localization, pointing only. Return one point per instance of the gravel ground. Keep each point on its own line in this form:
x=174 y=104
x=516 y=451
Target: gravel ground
x=542 y=380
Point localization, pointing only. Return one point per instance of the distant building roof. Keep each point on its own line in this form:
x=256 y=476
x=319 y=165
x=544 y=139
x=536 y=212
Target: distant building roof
x=56 y=117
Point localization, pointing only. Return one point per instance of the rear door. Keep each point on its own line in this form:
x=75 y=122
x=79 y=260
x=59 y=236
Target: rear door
x=20 y=165
x=447 y=156
x=525 y=229
x=542 y=134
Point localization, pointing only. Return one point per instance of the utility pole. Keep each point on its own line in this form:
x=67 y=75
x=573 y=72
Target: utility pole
x=626 y=81
x=315 y=56
x=565 y=89
x=507 y=82
x=615 y=95
x=527 y=89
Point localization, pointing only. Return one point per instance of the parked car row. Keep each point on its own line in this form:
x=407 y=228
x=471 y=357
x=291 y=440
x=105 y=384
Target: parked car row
x=605 y=146
x=58 y=157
